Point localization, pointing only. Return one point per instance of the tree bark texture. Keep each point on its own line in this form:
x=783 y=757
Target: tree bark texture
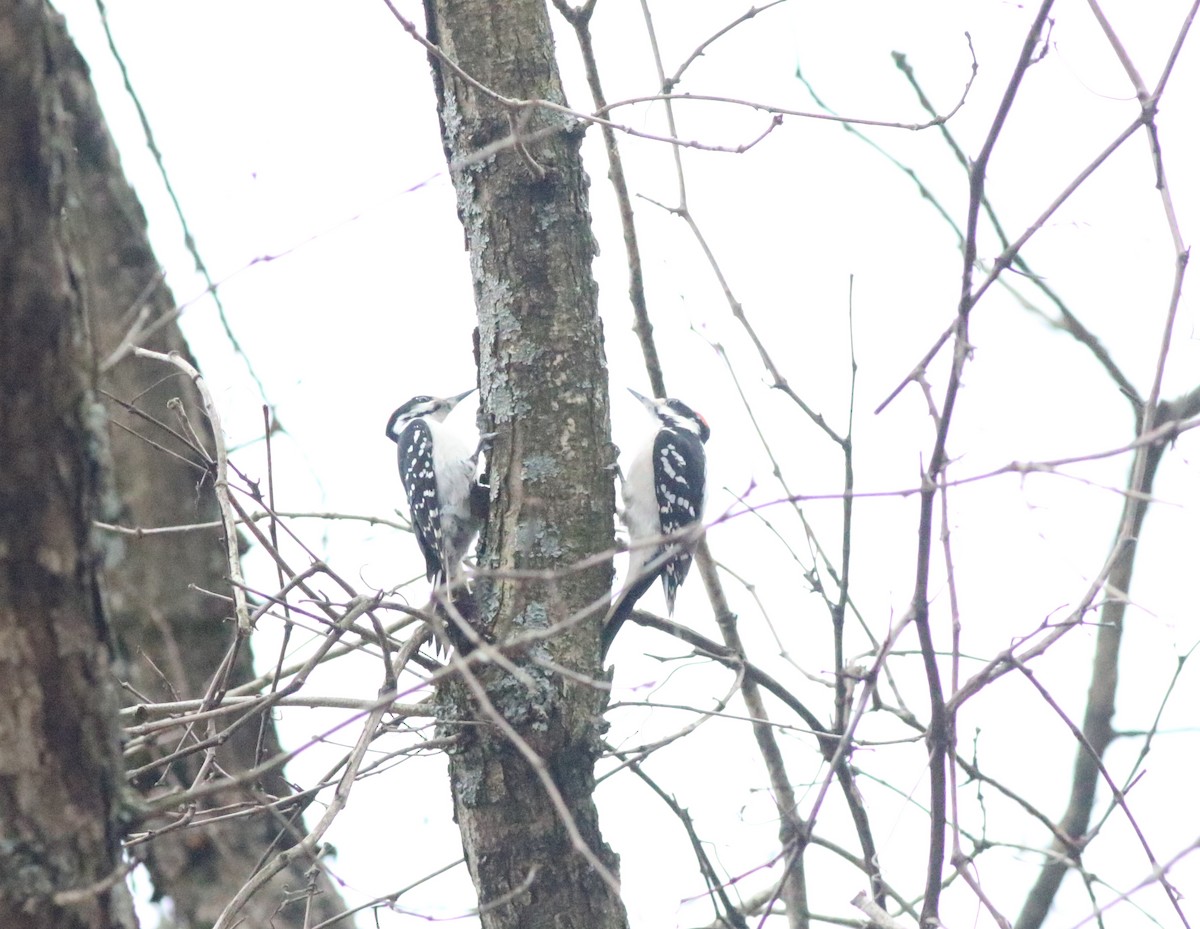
x=170 y=638
x=60 y=768
x=544 y=388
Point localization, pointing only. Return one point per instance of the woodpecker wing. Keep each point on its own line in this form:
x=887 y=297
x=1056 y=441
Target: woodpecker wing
x=679 y=487
x=415 y=456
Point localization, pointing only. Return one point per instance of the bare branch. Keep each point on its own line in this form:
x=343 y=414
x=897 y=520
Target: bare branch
x=220 y=483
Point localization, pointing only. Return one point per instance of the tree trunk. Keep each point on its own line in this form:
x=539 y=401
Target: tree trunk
x=170 y=638
x=60 y=768
x=545 y=393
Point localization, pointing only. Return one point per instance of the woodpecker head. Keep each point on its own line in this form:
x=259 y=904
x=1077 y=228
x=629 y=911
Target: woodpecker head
x=674 y=413
x=435 y=408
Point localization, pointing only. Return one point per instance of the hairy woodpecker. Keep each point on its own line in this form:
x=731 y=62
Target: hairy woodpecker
x=663 y=493
x=437 y=467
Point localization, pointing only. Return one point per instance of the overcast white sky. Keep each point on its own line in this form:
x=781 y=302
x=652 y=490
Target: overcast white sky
x=280 y=121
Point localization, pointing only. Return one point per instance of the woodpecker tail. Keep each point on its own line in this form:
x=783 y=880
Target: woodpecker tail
x=622 y=608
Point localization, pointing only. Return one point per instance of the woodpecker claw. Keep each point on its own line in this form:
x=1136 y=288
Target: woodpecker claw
x=615 y=464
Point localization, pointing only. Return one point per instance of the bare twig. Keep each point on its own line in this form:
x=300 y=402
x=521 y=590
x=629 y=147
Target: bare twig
x=308 y=847
x=876 y=913
x=1117 y=793
x=220 y=483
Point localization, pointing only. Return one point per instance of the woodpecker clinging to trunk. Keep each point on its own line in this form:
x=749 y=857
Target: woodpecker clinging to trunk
x=663 y=492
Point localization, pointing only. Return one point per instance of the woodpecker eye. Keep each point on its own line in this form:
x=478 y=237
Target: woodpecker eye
x=413 y=404
x=682 y=410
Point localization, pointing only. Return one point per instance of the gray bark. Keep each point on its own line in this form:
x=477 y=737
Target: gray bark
x=545 y=392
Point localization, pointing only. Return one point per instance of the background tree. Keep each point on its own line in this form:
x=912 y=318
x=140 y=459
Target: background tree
x=82 y=287
x=60 y=805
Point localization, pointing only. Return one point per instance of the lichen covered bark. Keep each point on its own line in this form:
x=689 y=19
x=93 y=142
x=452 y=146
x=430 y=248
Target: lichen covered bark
x=545 y=393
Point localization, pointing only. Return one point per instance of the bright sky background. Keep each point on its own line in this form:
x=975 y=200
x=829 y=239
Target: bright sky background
x=278 y=122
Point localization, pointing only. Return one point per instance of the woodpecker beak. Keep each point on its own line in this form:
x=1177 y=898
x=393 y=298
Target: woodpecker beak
x=645 y=401
x=457 y=398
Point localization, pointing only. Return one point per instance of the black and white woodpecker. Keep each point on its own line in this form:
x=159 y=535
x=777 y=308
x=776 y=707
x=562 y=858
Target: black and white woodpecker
x=663 y=493
x=437 y=468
